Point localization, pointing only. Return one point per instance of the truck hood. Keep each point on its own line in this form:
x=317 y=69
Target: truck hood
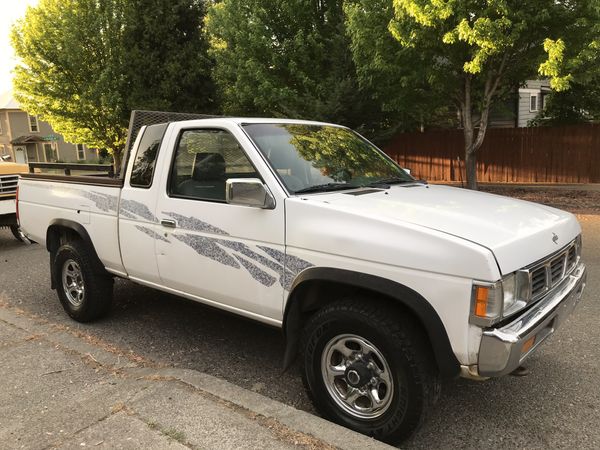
x=517 y=232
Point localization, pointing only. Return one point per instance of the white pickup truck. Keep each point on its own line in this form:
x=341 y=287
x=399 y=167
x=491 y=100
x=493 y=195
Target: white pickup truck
x=381 y=283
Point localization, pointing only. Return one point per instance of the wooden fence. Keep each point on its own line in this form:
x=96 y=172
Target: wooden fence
x=569 y=154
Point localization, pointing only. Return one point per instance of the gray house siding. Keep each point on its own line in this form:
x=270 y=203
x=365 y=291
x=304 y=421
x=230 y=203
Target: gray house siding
x=533 y=88
x=5 y=137
x=43 y=145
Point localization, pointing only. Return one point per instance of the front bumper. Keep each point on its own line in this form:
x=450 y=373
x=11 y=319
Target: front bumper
x=502 y=350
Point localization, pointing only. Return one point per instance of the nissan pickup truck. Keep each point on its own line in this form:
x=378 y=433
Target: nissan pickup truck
x=9 y=177
x=382 y=284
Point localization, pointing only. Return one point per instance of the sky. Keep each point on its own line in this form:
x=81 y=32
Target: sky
x=10 y=10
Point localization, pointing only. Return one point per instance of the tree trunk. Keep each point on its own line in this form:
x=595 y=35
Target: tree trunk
x=117 y=160
x=471 y=170
x=466 y=108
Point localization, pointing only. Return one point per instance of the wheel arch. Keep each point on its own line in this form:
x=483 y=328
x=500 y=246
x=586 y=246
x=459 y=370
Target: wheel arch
x=61 y=230
x=306 y=296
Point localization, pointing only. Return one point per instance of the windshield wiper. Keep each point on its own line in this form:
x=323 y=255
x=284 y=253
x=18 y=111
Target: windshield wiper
x=326 y=188
x=391 y=180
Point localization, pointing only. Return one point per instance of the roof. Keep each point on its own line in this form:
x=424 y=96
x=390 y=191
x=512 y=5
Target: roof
x=264 y=120
x=7 y=101
x=27 y=139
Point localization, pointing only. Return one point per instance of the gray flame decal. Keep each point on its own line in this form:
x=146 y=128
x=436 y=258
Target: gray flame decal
x=258 y=274
x=129 y=207
x=207 y=247
x=293 y=265
x=223 y=251
x=191 y=223
x=152 y=234
x=103 y=202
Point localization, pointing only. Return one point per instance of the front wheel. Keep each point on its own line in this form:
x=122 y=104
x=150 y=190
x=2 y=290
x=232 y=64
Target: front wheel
x=85 y=290
x=366 y=368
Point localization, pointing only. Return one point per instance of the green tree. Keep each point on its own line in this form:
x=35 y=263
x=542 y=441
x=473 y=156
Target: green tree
x=468 y=55
x=287 y=58
x=85 y=64
x=388 y=70
x=577 y=65
x=579 y=104
x=168 y=68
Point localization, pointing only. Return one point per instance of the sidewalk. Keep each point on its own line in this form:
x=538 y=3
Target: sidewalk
x=62 y=389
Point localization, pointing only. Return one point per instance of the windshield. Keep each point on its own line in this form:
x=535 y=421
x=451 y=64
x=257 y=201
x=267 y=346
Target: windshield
x=313 y=158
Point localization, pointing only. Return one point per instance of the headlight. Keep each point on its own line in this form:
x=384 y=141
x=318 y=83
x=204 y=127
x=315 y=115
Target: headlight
x=494 y=301
x=509 y=289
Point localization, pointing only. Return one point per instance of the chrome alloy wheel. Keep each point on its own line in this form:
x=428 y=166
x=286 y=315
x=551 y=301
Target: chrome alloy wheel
x=357 y=376
x=72 y=281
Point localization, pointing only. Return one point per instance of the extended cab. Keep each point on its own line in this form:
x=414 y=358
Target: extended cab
x=382 y=284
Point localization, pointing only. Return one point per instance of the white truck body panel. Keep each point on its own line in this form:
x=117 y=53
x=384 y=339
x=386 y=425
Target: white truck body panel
x=94 y=207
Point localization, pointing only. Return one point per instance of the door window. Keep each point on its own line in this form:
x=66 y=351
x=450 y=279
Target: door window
x=204 y=160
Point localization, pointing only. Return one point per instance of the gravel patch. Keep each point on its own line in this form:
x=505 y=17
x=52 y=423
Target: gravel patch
x=574 y=200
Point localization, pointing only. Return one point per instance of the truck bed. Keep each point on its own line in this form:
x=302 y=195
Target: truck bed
x=91 y=202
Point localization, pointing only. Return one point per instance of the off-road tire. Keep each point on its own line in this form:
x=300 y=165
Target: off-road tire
x=98 y=284
x=406 y=350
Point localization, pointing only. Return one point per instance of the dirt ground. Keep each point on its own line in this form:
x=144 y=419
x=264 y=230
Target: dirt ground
x=573 y=199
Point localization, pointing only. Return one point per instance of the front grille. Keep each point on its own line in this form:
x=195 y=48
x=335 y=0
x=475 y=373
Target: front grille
x=546 y=274
x=556 y=269
x=538 y=281
x=8 y=184
x=571 y=257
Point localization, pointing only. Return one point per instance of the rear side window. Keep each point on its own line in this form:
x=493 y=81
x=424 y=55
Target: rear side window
x=145 y=158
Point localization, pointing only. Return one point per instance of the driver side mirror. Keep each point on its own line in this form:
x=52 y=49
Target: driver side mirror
x=248 y=192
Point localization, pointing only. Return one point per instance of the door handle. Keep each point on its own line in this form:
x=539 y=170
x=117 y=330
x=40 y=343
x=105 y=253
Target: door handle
x=168 y=223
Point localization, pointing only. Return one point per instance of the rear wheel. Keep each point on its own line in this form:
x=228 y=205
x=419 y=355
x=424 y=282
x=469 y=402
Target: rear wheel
x=366 y=368
x=85 y=290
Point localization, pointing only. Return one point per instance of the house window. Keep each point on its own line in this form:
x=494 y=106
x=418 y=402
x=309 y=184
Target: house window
x=533 y=102
x=33 y=124
x=80 y=152
x=50 y=153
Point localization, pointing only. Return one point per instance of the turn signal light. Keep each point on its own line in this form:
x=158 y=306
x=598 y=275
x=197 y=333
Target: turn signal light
x=481 y=300
x=528 y=345
x=486 y=300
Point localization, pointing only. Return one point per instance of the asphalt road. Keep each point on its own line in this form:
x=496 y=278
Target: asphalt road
x=556 y=406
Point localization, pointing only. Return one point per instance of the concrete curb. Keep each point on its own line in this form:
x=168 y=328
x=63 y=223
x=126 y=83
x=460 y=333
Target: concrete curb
x=74 y=340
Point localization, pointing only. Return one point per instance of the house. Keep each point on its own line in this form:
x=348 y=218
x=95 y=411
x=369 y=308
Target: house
x=531 y=100
x=522 y=107
x=27 y=139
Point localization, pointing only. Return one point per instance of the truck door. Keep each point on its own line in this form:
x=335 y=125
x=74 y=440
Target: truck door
x=227 y=255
